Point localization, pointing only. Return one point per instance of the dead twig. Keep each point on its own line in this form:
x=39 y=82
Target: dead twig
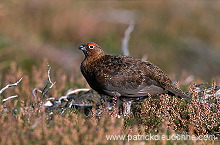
x=6 y=87
x=10 y=85
x=11 y=97
x=49 y=82
x=127 y=37
x=34 y=91
x=75 y=91
x=48 y=86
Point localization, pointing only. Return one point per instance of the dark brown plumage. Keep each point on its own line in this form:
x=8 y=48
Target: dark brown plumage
x=124 y=76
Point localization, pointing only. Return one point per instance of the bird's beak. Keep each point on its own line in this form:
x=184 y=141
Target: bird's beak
x=81 y=47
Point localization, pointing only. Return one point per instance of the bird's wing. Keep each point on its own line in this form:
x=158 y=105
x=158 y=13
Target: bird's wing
x=130 y=88
x=155 y=73
x=123 y=76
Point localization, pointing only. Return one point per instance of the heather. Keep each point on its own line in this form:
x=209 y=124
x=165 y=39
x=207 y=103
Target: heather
x=27 y=120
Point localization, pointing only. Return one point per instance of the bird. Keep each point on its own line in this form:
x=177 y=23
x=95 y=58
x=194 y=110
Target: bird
x=124 y=76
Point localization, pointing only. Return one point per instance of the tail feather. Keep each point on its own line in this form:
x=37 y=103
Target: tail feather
x=173 y=90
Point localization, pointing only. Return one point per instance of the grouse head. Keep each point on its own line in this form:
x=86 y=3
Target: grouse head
x=91 y=49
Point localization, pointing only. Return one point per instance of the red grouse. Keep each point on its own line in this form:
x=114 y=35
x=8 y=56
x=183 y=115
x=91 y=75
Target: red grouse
x=124 y=76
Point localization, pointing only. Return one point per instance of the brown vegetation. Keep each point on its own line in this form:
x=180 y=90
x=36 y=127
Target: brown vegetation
x=26 y=121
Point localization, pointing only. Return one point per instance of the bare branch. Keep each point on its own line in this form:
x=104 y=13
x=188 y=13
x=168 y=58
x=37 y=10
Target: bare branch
x=48 y=73
x=10 y=85
x=48 y=86
x=45 y=92
x=49 y=82
x=77 y=90
x=127 y=37
x=33 y=92
x=11 y=97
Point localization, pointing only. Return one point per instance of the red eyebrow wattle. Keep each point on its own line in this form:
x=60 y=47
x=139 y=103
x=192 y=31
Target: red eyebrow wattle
x=92 y=45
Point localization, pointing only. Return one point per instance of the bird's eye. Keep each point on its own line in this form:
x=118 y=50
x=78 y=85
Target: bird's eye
x=91 y=46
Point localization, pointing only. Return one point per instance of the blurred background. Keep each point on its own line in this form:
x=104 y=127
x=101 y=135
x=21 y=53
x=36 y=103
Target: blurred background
x=182 y=38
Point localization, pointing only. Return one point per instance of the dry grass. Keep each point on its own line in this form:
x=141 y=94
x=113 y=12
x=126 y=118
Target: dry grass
x=25 y=121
